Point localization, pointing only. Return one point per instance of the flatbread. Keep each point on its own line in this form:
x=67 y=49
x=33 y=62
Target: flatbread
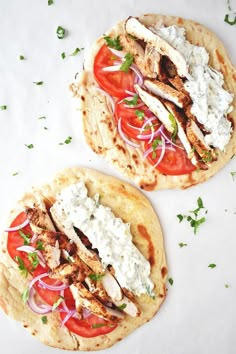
x=100 y=130
x=127 y=203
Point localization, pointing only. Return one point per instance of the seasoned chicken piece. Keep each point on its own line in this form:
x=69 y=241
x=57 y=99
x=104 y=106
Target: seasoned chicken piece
x=97 y=289
x=177 y=83
x=134 y=48
x=70 y=273
x=196 y=137
x=83 y=297
x=181 y=124
x=156 y=106
x=111 y=286
x=135 y=28
x=39 y=218
x=89 y=257
x=152 y=60
x=128 y=307
x=167 y=92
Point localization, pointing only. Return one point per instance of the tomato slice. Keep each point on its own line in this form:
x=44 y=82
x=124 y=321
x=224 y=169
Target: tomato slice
x=132 y=122
x=173 y=163
x=92 y=326
x=14 y=239
x=115 y=83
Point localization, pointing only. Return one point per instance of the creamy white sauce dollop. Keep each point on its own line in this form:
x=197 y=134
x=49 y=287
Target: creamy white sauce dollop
x=211 y=102
x=109 y=234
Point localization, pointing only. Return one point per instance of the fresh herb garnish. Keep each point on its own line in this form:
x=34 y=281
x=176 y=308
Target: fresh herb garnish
x=226 y=286
x=113 y=43
x=30 y=146
x=99 y=325
x=38 y=83
x=207 y=157
x=171 y=281
x=155 y=144
x=58 y=302
x=44 y=319
x=233 y=174
x=39 y=246
x=67 y=141
x=196 y=221
x=25 y=295
x=21 y=57
x=50 y=2
x=34 y=259
x=26 y=237
x=96 y=277
x=60 y=32
x=15 y=173
x=173 y=125
x=230 y=22
x=181 y=244
x=132 y=102
x=21 y=265
x=43 y=117
x=212 y=265
x=76 y=51
x=129 y=58
x=63 y=55
x=3 y=108
x=139 y=114
x=121 y=307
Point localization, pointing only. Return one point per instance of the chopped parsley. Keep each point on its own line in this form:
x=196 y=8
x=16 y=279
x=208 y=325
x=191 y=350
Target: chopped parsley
x=15 y=173
x=30 y=146
x=26 y=237
x=21 y=57
x=195 y=221
x=58 y=302
x=39 y=246
x=38 y=83
x=139 y=114
x=207 y=157
x=129 y=58
x=132 y=102
x=173 y=125
x=34 y=259
x=156 y=142
x=50 y=2
x=63 y=55
x=21 y=265
x=67 y=141
x=121 y=307
x=233 y=174
x=60 y=32
x=76 y=51
x=3 y=108
x=181 y=244
x=43 y=117
x=99 y=325
x=96 y=277
x=113 y=43
x=212 y=265
x=25 y=295
x=44 y=319
x=226 y=286
x=230 y=22
x=171 y=281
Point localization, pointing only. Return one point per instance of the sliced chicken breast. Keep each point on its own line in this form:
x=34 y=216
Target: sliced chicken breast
x=135 y=28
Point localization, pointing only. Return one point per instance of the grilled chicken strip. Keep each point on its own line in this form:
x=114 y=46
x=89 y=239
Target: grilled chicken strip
x=156 y=106
x=135 y=28
x=167 y=92
x=152 y=60
x=181 y=124
x=89 y=257
x=84 y=298
x=134 y=48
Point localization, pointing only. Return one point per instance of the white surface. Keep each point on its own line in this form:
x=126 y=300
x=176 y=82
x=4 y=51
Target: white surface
x=199 y=314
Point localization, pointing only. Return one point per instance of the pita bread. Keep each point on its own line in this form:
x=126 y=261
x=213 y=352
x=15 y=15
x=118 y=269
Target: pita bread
x=127 y=203
x=100 y=130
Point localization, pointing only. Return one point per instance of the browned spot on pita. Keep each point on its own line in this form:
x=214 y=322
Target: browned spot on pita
x=143 y=231
x=164 y=272
x=219 y=56
x=3 y=306
x=82 y=98
x=234 y=77
x=114 y=139
x=148 y=186
x=25 y=326
x=84 y=113
x=180 y=21
x=121 y=148
x=129 y=166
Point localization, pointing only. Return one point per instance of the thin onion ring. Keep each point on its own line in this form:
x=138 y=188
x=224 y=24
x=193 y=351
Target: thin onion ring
x=123 y=136
x=16 y=228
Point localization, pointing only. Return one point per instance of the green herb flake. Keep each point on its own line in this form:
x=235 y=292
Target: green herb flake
x=99 y=325
x=226 y=286
x=181 y=244
x=171 y=281
x=173 y=125
x=121 y=307
x=44 y=319
x=42 y=117
x=113 y=43
x=21 y=57
x=196 y=221
x=33 y=258
x=45 y=128
x=25 y=295
x=30 y=146
x=132 y=102
x=39 y=246
x=63 y=55
x=26 y=237
x=233 y=174
x=76 y=51
x=3 y=108
x=96 y=277
x=230 y=22
x=50 y=2
x=68 y=140
x=15 y=174
x=180 y=217
x=60 y=32
x=129 y=58
x=38 y=83
x=139 y=114
x=212 y=265
x=21 y=265
x=58 y=302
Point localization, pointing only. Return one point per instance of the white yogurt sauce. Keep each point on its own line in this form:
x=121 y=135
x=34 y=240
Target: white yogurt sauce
x=109 y=234
x=211 y=102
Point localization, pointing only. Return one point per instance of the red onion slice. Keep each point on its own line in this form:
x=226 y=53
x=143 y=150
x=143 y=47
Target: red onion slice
x=16 y=228
x=37 y=308
x=118 y=53
x=139 y=76
x=53 y=287
x=86 y=313
x=34 y=238
x=111 y=68
x=109 y=98
x=162 y=152
x=150 y=150
x=123 y=136
x=151 y=119
x=68 y=316
x=170 y=141
x=29 y=249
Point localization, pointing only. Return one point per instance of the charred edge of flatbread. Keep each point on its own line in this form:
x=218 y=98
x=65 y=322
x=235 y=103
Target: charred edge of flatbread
x=126 y=202
x=100 y=130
